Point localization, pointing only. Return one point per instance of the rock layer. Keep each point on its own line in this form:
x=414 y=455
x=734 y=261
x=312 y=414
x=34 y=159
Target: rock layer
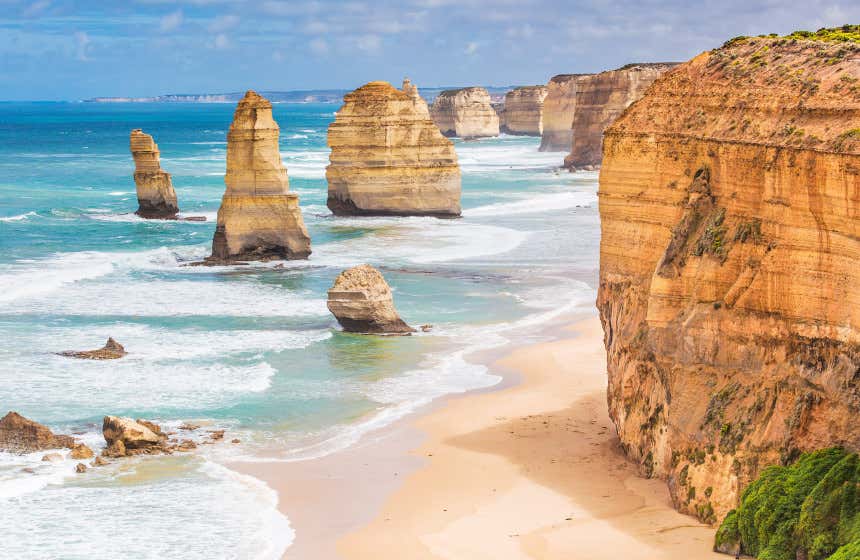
x=524 y=111
x=361 y=301
x=259 y=218
x=732 y=327
x=600 y=99
x=558 y=108
x=155 y=195
x=466 y=113
x=388 y=158
x=22 y=435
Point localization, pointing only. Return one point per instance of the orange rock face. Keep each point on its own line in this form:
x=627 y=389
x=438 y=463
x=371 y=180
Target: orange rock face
x=523 y=111
x=600 y=99
x=155 y=195
x=729 y=279
x=558 y=108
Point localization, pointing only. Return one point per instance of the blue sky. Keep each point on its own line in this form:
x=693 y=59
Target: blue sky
x=73 y=49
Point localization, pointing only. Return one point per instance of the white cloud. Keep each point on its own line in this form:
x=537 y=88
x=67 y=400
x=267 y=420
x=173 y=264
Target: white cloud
x=82 y=44
x=471 y=48
x=223 y=23
x=368 y=43
x=36 y=8
x=222 y=42
x=319 y=46
x=171 y=21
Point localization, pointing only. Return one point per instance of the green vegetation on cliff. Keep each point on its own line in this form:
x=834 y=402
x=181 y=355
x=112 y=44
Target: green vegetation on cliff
x=810 y=509
x=844 y=34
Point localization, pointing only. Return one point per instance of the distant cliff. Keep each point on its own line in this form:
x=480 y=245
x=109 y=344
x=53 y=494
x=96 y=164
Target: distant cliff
x=466 y=113
x=523 y=111
x=729 y=279
x=558 y=110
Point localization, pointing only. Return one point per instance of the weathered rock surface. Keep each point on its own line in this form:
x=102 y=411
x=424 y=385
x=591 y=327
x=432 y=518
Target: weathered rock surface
x=466 y=113
x=388 y=158
x=361 y=301
x=112 y=350
x=155 y=195
x=22 y=435
x=524 y=111
x=259 y=218
x=81 y=451
x=558 y=108
x=133 y=435
x=600 y=99
x=730 y=218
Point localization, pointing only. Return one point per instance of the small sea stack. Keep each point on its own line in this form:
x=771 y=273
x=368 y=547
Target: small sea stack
x=558 y=109
x=259 y=218
x=112 y=350
x=22 y=435
x=523 y=111
x=156 y=198
x=388 y=158
x=361 y=301
x=466 y=113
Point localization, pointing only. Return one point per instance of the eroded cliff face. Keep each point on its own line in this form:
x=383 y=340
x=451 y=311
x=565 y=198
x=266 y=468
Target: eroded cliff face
x=523 y=111
x=730 y=218
x=558 y=108
x=259 y=218
x=388 y=158
x=465 y=113
x=600 y=99
x=155 y=195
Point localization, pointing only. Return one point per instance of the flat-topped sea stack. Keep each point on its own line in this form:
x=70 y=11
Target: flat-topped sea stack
x=558 y=110
x=155 y=195
x=523 y=112
x=361 y=301
x=729 y=279
x=600 y=99
x=259 y=218
x=465 y=113
x=388 y=158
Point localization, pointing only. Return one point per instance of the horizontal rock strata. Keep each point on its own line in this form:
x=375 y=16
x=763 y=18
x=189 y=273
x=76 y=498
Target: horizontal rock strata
x=524 y=111
x=466 y=113
x=361 y=301
x=558 y=108
x=155 y=195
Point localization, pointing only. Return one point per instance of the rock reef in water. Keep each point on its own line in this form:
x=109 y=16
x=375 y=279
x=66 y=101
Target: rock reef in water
x=125 y=436
x=465 y=113
x=730 y=237
x=22 y=435
x=388 y=158
x=361 y=301
x=600 y=99
x=112 y=350
x=558 y=108
x=155 y=195
x=523 y=112
x=259 y=218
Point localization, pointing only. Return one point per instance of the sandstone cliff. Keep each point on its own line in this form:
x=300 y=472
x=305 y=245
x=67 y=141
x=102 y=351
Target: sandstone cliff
x=361 y=301
x=730 y=218
x=558 y=108
x=155 y=195
x=600 y=99
x=465 y=113
x=388 y=158
x=259 y=218
x=523 y=112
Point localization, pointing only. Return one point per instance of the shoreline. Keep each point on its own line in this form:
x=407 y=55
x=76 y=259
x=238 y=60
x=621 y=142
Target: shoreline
x=527 y=468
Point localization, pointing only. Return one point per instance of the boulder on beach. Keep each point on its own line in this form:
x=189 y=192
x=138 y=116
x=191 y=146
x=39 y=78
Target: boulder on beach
x=110 y=351
x=22 y=435
x=361 y=301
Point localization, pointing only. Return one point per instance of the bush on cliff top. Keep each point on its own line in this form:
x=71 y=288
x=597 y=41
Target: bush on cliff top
x=812 y=506
x=844 y=34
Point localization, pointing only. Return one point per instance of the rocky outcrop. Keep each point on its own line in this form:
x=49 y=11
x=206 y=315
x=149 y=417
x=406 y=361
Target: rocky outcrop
x=388 y=158
x=22 y=435
x=125 y=436
x=600 y=99
x=466 y=113
x=259 y=218
x=558 y=108
x=362 y=302
x=730 y=220
x=155 y=195
x=112 y=350
x=524 y=111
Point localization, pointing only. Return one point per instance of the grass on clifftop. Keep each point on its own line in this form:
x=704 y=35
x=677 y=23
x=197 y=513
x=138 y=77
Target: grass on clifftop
x=810 y=509
x=844 y=34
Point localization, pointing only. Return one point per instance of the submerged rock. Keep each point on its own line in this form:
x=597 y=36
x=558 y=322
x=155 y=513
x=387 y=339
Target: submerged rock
x=22 y=435
x=155 y=195
x=466 y=113
x=80 y=468
x=259 y=218
x=523 y=112
x=110 y=351
x=361 y=301
x=81 y=451
x=388 y=158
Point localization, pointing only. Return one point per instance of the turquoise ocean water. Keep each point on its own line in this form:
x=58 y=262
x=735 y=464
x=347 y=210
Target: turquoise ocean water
x=249 y=349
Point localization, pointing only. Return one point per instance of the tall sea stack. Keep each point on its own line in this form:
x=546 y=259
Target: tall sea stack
x=155 y=195
x=733 y=329
x=523 y=111
x=388 y=158
x=558 y=108
x=466 y=113
x=258 y=219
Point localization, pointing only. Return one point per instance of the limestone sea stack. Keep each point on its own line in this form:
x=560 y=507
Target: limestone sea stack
x=361 y=301
x=600 y=99
x=388 y=158
x=22 y=435
x=523 y=112
x=466 y=113
x=558 y=108
x=730 y=239
x=155 y=195
x=259 y=218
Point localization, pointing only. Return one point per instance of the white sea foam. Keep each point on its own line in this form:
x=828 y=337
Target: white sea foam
x=308 y=164
x=535 y=203
x=495 y=156
x=297 y=136
x=17 y=218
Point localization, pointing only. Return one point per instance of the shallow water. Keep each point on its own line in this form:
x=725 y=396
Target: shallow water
x=251 y=349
